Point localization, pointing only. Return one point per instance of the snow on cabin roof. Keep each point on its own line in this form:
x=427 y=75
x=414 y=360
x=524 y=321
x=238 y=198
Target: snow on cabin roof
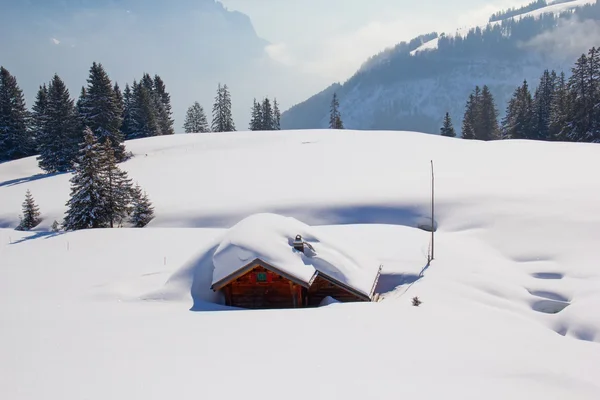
x=269 y=238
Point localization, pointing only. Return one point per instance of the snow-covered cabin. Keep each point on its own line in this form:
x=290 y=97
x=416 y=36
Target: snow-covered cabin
x=271 y=261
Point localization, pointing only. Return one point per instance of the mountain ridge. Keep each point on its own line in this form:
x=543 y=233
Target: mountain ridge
x=412 y=85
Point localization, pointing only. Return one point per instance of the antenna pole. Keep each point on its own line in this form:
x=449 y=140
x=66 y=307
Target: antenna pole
x=432 y=210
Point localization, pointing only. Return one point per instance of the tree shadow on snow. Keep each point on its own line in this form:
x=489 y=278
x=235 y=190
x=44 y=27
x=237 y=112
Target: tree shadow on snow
x=38 y=235
x=405 y=215
x=19 y=181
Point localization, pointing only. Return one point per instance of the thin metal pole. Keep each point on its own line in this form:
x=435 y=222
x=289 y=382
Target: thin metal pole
x=432 y=210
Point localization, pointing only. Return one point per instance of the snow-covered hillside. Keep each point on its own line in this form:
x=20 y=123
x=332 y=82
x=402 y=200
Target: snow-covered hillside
x=552 y=8
x=510 y=304
x=412 y=86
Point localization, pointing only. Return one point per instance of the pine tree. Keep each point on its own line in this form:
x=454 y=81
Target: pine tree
x=127 y=126
x=518 y=122
x=142 y=209
x=267 y=115
x=276 y=116
x=61 y=135
x=102 y=113
x=580 y=122
x=447 y=129
x=488 y=125
x=481 y=116
x=593 y=83
x=120 y=99
x=144 y=119
x=195 y=120
x=81 y=105
x=222 y=117
x=117 y=187
x=256 y=120
x=560 y=110
x=542 y=103
x=38 y=114
x=31 y=214
x=15 y=138
x=471 y=116
x=87 y=203
x=335 y=117
x=165 y=112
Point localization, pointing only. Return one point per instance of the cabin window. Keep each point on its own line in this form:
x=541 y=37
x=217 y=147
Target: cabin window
x=261 y=277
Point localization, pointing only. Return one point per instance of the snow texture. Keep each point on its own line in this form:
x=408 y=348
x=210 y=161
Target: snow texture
x=510 y=303
x=270 y=237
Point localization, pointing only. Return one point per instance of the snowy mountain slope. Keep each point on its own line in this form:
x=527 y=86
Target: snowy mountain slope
x=555 y=9
x=412 y=87
x=510 y=303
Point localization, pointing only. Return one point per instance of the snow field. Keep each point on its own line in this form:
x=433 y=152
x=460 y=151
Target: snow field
x=510 y=303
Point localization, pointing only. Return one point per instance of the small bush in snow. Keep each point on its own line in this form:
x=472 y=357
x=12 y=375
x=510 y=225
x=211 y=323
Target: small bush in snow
x=55 y=226
x=416 y=302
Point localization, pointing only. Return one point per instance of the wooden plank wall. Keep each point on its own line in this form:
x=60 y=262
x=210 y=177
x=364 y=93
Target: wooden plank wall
x=322 y=288
x=276 y=292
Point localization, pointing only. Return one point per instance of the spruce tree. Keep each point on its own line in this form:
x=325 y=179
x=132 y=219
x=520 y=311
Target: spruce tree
x=593 y=84
x=222 y=117
x=335 y=117
x=560 y=110
x=102 y=113
x=15 y=138
x=61 y=135
x=267 y=115
x=518 y=122
x=447 y=129
x=195 y=120
x=127 y=126
x=31 y=214
x=117 y=187
x=165 y=112
x=142 y=209
x=470 y=117
x=38 y=114
x=276 y=116
x=488 y=124
x=120 y=99
x=87 y=204
x=542 y=104
x=144 y=119
x=256 y=118
x=581 y=118
x=480 y=120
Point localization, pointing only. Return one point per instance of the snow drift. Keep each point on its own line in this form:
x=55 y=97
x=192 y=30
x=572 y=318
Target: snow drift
x=510 y=303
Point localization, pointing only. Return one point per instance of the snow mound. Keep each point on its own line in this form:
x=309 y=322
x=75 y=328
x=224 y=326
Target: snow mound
x=269 y=237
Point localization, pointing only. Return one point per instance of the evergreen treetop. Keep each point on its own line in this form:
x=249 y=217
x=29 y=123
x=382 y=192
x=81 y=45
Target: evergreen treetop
x=195 y=120
x=60 y=136
x=335 y=117
x=16 y=140
x=31 y=214
x=447 y=128
x=87 y=204
x=102 y=113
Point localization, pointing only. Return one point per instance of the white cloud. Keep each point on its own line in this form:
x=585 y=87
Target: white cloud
x=55 y=41
x=280 y=53
x=337 y=57
x=569 y=40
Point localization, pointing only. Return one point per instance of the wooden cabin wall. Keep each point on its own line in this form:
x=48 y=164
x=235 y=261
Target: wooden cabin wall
x=276 y=292
x=322 y=288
